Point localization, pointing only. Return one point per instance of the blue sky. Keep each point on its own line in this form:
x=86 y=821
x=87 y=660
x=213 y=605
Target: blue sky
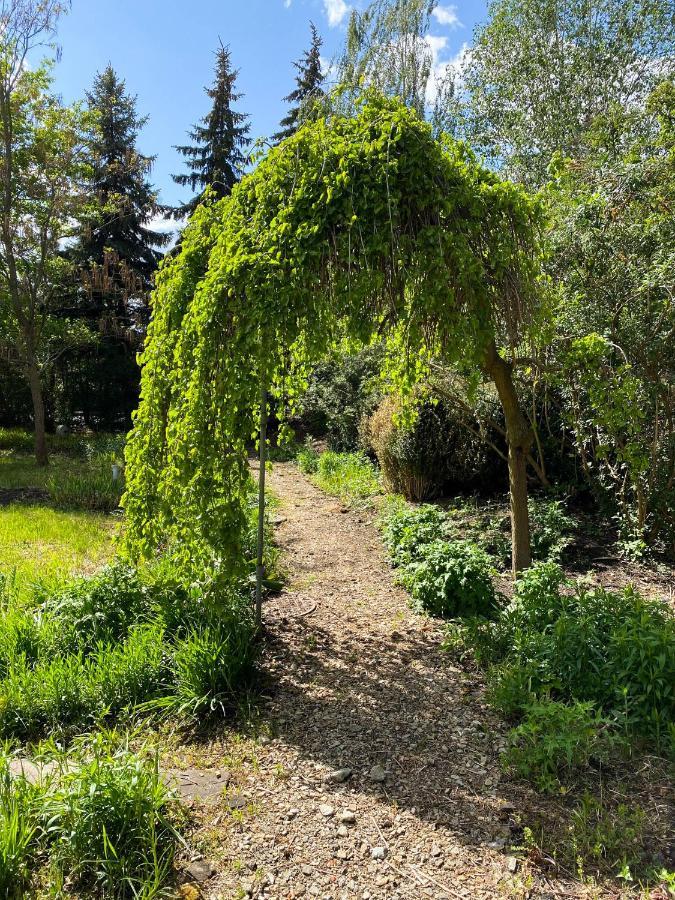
x=164 y=50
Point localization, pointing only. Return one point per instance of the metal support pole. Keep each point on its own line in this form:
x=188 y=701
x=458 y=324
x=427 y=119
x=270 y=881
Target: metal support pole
x=260 y=568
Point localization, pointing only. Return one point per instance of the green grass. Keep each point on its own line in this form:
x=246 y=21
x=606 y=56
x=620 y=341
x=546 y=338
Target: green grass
x=38 y=542
x=349 y=476
x=60 y=535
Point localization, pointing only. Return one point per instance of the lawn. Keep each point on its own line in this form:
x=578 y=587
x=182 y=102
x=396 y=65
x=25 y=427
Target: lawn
x=38 y=539
x=39 y=542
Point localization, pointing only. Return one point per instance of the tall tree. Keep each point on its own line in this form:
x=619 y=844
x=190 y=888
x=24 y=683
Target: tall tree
x=43 y=165
x=541 y=71
x=308 y=89
x=387 y=47
x=116 y=250
x=218 y=155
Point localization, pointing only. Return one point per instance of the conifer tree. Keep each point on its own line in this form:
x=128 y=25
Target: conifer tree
x=116 y=252
x=218 y=155
x=309 y=82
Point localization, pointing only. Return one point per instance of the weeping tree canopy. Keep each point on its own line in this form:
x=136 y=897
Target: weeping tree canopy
x=359 y=226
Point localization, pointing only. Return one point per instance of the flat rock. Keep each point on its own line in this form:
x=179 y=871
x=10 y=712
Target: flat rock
x=338 y=776
x=378 y=852
x=200 y=870
x=347 y=817
x=326 y=810
x=378 y=774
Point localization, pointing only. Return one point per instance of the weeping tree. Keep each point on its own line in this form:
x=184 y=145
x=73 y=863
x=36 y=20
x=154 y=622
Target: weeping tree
x=361 y=225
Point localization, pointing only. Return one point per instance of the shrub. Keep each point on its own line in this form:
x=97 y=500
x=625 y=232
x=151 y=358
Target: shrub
x=615 y=650
x=551 y=529
x=422 y=458
x=103 y=607
x=451 y=579
x=340 y=393
x=555 y=738
x=109 y=822
x=407 y=529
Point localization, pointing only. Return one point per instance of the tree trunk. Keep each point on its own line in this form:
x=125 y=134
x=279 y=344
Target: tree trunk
x=35 y=382
x=519 y=439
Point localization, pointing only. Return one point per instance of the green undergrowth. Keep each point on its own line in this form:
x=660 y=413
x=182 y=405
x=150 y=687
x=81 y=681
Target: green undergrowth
x=95 y=817
x=350 y=476
x=582 y=669
x=79 y=475
x=123 y=641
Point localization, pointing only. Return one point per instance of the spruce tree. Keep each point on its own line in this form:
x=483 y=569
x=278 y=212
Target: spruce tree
x=218 y=155
x=115 y=255
x=116 y=252
x=309 y=82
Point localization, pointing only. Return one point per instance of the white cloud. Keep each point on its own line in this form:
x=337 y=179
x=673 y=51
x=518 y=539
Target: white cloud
x=336 y=10
x=442 y=69
x=447 y=15
x=287 y=3
x=437 y=44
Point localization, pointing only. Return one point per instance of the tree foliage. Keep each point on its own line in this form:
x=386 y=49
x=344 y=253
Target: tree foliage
x=387 y=47
x=613 y=254
x=541 y=71
x=217 y=156
x=116 y=251
x=43 y=166
x=308 y=90
x=358 y=224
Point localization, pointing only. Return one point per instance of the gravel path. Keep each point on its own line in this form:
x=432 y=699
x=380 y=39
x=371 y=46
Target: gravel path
x=376 y=774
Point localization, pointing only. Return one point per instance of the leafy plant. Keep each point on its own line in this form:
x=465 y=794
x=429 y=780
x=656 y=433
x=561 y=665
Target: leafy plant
x=550 y=529
x=19 y=830
x=615 y=650
x=407 y=529
x=607 y=838
x=101 y=608
x=451 y=579
x=109 y=822
x=211 y=666
x=92 y=488
x=556 y=738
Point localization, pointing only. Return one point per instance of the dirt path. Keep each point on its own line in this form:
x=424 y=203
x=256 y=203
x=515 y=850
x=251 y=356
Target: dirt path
x=357 y=682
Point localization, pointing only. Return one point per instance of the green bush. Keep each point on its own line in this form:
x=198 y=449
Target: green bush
x=556 y=738
x=103 y=607
x=122 y=641
x=450 y=579
x=341 y=391
x=551 y=529
x=109 y=823
x=407 y=529
x=613 y=649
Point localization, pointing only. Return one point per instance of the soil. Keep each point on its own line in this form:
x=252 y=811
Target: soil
x=373 y=768
x=22 y=495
